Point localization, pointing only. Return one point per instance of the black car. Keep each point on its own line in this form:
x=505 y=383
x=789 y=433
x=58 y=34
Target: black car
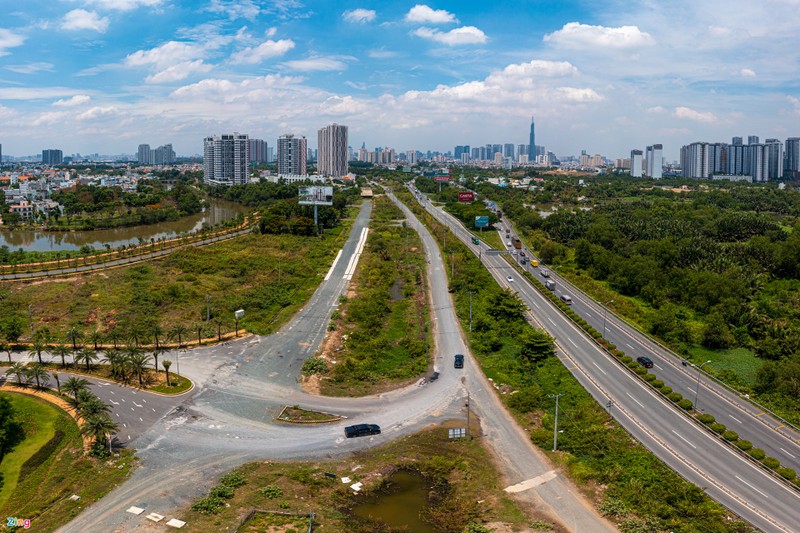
x=458 y=361
x=362 y=430
x=645 y=362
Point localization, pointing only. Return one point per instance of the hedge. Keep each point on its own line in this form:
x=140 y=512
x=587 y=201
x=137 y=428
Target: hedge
x=685 y=404
x=716 y=427
x=771 y=462
x=706 y=418
x=786 y=473
x=666 y=390
x=756 y=453
x=657 y=383
x=640 y=370
x=730 y=435
x=744 y=445
x=675 y=396
x=650 y=377
x=626 y=359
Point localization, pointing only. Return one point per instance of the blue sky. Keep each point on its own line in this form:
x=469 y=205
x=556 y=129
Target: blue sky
x=605 y=76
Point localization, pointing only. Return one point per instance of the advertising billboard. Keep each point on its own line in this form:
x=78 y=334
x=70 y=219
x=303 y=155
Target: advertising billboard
x=441 y=178
x=315 y=195
x=466 y=196
x=481 y=222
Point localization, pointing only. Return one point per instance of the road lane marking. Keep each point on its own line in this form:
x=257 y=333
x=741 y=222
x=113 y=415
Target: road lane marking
x=634 y=399
x=572 y=342
x=140 y=419
x=686 y=441
x=629 y=346
x=588 y=314
x=531 y=483
x=658 y=367
x=762 y=413
x=781 y=426
x=137 y=405
x=787 y=453
x=115 y=403
x=752 y=487
x=600 y=369
x=551 y=321
x=735 y=418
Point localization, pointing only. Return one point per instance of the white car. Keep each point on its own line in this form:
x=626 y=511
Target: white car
x=509 y=244
x=510 y=279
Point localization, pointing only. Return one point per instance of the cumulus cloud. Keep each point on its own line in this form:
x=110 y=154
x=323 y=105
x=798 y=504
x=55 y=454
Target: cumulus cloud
x=31 y=68
x=577 y=36
x=316 y=64
x=78 y=99
x=9 y=39
x=265 y=50
x=423 y=14
x=458 y=36
x=124 y=5
x=178 y=72
x=747 y=73
x=80 y=19
x=165 y=55
x=96 y=112
x=361 y=16
x=656 y=109
x=690 y=114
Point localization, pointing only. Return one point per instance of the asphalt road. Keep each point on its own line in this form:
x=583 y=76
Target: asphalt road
x=748 y=490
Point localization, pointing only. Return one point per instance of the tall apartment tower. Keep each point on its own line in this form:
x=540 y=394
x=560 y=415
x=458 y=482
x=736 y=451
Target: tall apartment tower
x=292 y=153
x=694 y=160
x=532 y=153
x=225 y=159
x=791 y=164
x=774 y=149
x=258 y=151
x=332 y=150
x=636 y=163
x=143 y=154
x=654 y=161
x=52 y=157
x=752 y=139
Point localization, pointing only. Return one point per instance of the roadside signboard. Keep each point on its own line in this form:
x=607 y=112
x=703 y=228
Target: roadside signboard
x=481 y=222
x=315 y=195
x=466 y=196
x=441 y=178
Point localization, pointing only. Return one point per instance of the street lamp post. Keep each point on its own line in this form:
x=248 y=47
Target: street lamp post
x=555 y=426
x=470 y=310
x=605 y=312
x=697 y=388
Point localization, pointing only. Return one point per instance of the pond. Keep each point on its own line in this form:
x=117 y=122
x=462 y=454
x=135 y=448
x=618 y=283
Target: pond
x=46 y=241
x=400 y=504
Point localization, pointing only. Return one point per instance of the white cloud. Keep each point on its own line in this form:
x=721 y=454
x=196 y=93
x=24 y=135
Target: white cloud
x=124 y=5
x=316 y=64
x=361 y=16
x=31 y=68
x=235 y=9
x=458 y=36
x=267 y=49
x=96 y=112
x=747 y=73
x=795 y=103
x=698 y=116
x=178 y=72
x=78 y=99
x=80 y=19
x=272 y=31
x=656 y=109
x=577 y=36
x=35 y=93
x=423 y=14
x=164 y=56
x=9 y=39
x=381 y=54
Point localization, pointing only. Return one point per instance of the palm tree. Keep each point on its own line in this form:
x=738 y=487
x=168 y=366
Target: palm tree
x=100 y=427
x=88 y=356
x=138 y=364
x=6 y=347
x=62 y=350
x=95 y=338
x=38 y=372
x=156 y=353
x=156 y=331
x=36 y=349
x=18 y=369
x=179 y=331
x=114 y=336
x=166 y=364
x=90 y=405
x=58 y=382
x=116 y=360
x=73 y=335
x=75 y=385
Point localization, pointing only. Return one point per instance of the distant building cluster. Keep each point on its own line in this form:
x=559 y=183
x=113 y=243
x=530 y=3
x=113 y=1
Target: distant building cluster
x=163 y=155
x=754 y=161
x=504 y=155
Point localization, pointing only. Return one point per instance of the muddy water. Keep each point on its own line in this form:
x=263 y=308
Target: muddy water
x=400 y=506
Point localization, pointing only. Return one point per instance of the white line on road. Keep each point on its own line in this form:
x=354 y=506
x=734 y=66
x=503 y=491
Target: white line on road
x=634 y=399
x=132 y=409
x=629 y=346
x=551 y=321
x=684 y=440
x=787 y=453
x=140 y=419
x=752 y=487
x=572 y=342
x=153 y=410
x=600 y=369
x=137 y=405
x=115 y=403
x=658 y=367
x=735 y=418
x=328 y=275
x=588 y=314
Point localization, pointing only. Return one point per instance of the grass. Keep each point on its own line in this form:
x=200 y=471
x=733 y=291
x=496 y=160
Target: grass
x=269 y=276
x=297 y=414
x=461 y=470
x=179 y=384
x=43 y=496
x=741 y=361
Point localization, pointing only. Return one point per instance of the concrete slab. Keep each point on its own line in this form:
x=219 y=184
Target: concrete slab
x=155 y=517
x=174 y=522
x=533 y=482
x=135 y=510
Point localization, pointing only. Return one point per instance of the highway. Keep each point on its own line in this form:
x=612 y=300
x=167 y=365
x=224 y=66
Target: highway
x=688 y=448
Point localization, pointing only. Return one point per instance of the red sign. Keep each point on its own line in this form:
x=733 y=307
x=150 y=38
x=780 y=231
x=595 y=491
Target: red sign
x=466 y=196
x=441 y=178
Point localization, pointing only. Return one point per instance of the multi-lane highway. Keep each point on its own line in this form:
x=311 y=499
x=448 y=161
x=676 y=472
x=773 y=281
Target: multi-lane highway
x=744 y=487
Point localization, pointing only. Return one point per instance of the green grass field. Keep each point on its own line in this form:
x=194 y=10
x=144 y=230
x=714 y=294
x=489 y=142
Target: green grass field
x=740 y=361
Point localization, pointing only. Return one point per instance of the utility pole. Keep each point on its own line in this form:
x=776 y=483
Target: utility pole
x=555 y=426
x=470 y=310
x=469 y=437
x=452 y=265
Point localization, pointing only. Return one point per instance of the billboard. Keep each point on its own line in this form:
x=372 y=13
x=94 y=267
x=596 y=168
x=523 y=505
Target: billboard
x=441 y=178
x=315 y=195
x=481 y=222
x=466 y=196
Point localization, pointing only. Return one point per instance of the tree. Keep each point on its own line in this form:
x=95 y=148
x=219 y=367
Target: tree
x=87 y=356
x=118 y=361
x=115 y=336
x=11 y=431
x=138 y=365
x=90 y=405
x=95 y=337
x=74 y=385
x=6 y=347
x=100 y=428
x=12 y=329
x=156 y=331
x=62 y=350
x=178 y=332
x=17 y=369
x=219 y=322
x=156 y=353
x=74 y=335
x=36 y=349
x=38 y=372
x=535 y=345
x=166 y=364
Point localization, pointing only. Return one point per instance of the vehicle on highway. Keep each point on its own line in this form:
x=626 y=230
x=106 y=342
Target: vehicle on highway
x=534 y=263
x=523 y=262
x=567 y=299
x=545 y=273
x=475 y=240
x=362 y=430
x=550 y=284
x=458 y=361
x=510 y=279
x=522 y=254
x=645 y=362
x=433 y=377
x=517 y=244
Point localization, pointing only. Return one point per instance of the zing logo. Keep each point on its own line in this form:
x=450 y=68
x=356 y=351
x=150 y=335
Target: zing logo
x=24 y=523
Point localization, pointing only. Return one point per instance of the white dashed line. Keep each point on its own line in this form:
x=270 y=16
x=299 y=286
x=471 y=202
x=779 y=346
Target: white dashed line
x=686 y=441
x=752 y=487
x=629 y=346
x=787 y=453
x=634 y=399
x=572 y=342
x=598 y=368
x=735 y=418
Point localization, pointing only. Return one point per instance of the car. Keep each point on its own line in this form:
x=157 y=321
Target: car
x=458 y=361
x=645 y=362
x=433 y=377
x=522 y=254
x=362 y=430
x=509 y=244
x=510 y=279
x=567 y=299
x=545 y=273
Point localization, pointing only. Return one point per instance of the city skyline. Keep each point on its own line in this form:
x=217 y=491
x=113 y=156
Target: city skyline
x=108 y=75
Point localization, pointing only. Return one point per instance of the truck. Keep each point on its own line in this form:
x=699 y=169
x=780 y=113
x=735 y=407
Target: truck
x=550 y=284
x=517 y=244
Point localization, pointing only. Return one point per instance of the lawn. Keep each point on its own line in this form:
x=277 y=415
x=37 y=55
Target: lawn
x=741 y=361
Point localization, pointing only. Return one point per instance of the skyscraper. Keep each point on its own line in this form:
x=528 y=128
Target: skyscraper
x=143 y=154
x=52 y=157
x=694 y=160
x=791 y=166
x=532 y=152
x=292 y=154
x=752 y=139
x=654 y=162
x=636 y=163
x=258 y=151
x=775 y=162
x=332 y=150
x=225 y=159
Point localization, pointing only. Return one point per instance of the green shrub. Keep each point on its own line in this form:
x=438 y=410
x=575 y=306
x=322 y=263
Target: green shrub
x=730 y=435
x=210 y=505
x=233 y=479
x=756 y=453
x=716 y=427
x=473 y=527
x=595 y=334
x=272 y=491
x=706 y=418
x=657 y=383
x=633 y=364
x=666 y=390
x=612 y=347
x=35 y=460
x=744 y=445
x=650 y=377
x=617 y=353
x=315 y=365
x=685 y=404
x=221 y=491
x=771 y=462
x=786 y=473
x=626 y=359
x=675 y=397
x=640 y=370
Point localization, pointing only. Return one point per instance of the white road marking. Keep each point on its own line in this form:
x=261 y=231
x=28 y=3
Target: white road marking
x=115 y=403
x=123 y=399
x=634 y=399
x=551 y=321
x=137 y=405
x=153 y=410
x=600 y=369
x=787 y=453
x=572 y=342
x=658 y=367
x=140 y=419
x=132 y=409
x=129 y=437
x=735 y=418
x=752 y=487
x=684 y=440
x=629 y=346
x=588 y=314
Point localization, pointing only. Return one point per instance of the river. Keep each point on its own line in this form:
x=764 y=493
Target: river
x=45 y=241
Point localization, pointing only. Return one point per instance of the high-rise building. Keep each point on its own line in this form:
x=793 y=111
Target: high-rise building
x=791 y=165
x=522 y=149
x=736 y=141
x=508 y=150
x=258 y=151
x=143 y=154
x=292 y=152
x=52 y=157
x=226 y=159
x=532 y=152
x=411 y=157
x=332 y=147
x=476 y=154
x=497 y=149
x=752 y=139
x=694 y=160
x=774 y=149
x=654 y=161
x=163 y=155
x=636 y=163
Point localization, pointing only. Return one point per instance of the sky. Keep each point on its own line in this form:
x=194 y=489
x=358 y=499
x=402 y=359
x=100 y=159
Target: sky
x=605 y=76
